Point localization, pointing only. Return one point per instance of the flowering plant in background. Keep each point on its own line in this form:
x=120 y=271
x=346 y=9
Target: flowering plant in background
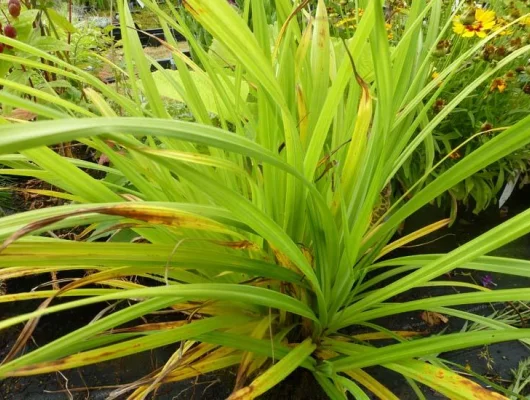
x=500 y=26
x=498 y=84
x=495 y=104
x=474 y=22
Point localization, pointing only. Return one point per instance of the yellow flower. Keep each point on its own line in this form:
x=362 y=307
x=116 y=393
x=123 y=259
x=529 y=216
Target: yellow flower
x=351 y=20
x=435 y=75
x=389 y=31
x=499 y=84
x=484 y=21
x=525 y=21
x=346 y=21
x=501 y=23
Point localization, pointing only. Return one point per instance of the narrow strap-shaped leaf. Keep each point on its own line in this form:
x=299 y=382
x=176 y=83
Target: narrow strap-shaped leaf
x=438 y=301
x=372 y=384
x=425 y=347
x=329 y=387
x=444 y=381
x=504 y=265
x=11 y=223
x=414 y=236
x=262 y=347
x=320 y=63
x=207 y=291
x=276 y=373
x=17 y=137
x=496 y=237
x=353 y=388
x=60 y=347
x=123 y=349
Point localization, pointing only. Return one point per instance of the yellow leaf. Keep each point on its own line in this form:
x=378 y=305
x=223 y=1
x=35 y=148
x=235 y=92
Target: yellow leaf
x=372 y=384
x=276 y=373
x=444 y=381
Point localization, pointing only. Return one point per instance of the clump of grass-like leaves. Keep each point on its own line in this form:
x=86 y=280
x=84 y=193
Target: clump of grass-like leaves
x=265 y=225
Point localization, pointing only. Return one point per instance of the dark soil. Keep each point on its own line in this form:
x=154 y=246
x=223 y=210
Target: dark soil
x=496 y=361
x=21 y=198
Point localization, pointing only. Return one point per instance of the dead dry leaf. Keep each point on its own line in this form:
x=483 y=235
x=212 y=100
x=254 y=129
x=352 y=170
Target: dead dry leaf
x=433 y=318
x=23 y=115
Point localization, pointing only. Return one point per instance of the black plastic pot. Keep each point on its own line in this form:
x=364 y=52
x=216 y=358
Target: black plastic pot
x=166 y=63
x=149 y=37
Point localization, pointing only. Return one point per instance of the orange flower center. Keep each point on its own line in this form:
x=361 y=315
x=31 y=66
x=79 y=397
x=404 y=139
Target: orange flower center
x=475 y=27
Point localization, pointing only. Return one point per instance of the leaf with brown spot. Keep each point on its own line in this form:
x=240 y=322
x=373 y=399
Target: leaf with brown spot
x=307 y=254
x=159 y=326
x=239 y=245
x=433 y=318
x=127 y=347
x=243 y=394
x=444 y=381
x=285 y=25
x=193 y=11
x=139 y=211
x=283 y=260
x=30 y=326
x=164 y=216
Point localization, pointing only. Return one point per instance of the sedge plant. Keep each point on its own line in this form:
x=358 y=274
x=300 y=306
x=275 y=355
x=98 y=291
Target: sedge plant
x=261 y=220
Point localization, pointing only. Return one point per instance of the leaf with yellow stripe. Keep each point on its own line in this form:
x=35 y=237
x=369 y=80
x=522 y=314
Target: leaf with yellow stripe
x=372 y=384
x=414 y=236
x=444 y=381
x=276 y=373
x=123 y=349
x=245 y=367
